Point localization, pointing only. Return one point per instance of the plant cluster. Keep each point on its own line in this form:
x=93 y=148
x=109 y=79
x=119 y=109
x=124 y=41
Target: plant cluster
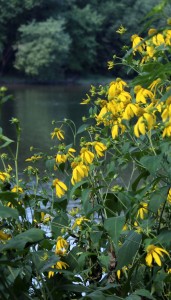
x=97 y=223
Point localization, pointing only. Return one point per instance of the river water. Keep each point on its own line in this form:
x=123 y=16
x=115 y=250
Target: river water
x=36 y=107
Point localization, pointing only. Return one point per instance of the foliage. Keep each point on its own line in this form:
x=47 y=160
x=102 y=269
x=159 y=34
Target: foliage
x=41 y=46
x=96 y=225
x=90 y=26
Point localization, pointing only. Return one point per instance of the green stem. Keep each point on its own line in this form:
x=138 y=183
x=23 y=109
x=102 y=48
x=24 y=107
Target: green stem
x=151 y=143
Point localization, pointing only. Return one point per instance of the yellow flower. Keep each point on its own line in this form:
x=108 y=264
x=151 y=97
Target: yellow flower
x=16 y=189
x=86 y=156
x=154 y=84
x=34 y=158
x=110 y=65
x=158 y=39
x=131 y=110
x=139 y=127
x=142 y=94
x=74 y=211
x=121 y=30
x=78 y=222
x=59 y=265
x=58 y=133
x=79 y=172
x=166 y=114
x=167 y=130
x=150 y=51
x=137 y=43
x=125 y=227
x=99 y=148
x=115 y=88
x=61 y=246
x=169 y=196
x=168 y=37
x=86 y=101
x=51 y=273
x=119 y=272
x=45 y=217
x=4 y=236
x=115 y=128
x=142 y=210
x=153 y=254
x=4 y=176
x=71 y=151
x=61 y=158
x=60 y=187
x=144 y=124
x=152 y=31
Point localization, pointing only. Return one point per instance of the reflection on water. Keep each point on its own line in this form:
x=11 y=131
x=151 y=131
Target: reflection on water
x=36 y=107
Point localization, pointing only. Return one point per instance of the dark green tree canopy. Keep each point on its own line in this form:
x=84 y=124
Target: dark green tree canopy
x=73 y=35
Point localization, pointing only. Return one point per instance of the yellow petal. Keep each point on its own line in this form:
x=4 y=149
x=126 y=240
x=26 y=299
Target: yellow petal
x=156 y=258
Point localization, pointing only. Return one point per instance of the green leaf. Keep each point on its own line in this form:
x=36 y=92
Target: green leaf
x=76 y=188
x=133 y=297
x=82 y=128
x=114 y=227
x=144 y=293
x=151 y=163
x=157 y=199
x=29 y=237
x=112 y=205
x=6 y=141
x=164 y=237
x=85 y=197
x=7 y=212
x=128 y=250
x=45 y=265
x=58 y=223
x=142 y=175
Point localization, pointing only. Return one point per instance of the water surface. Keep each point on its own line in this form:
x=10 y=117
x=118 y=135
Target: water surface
x=36 y=107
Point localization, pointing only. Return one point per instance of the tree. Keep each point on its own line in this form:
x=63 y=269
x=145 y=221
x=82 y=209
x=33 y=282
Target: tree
x=13 y=14
x=42 y=46
x=83 y=24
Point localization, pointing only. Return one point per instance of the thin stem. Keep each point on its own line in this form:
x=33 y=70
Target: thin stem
x=151 y=144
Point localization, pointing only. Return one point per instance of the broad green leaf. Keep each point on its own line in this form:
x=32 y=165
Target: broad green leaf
x=142 y=175
x=151 y=163
x=76 y=189
x=157 y=199
x=14 y=272
x=164 y=237
x=28 y=237
x=85 y=197
x=44 y=265
x=144 y=293
x=133 y=297
x=82 y=128
x=112 y=205
x=114 y=227
x=128 y=250
x=7 y=212
x=58 y=223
